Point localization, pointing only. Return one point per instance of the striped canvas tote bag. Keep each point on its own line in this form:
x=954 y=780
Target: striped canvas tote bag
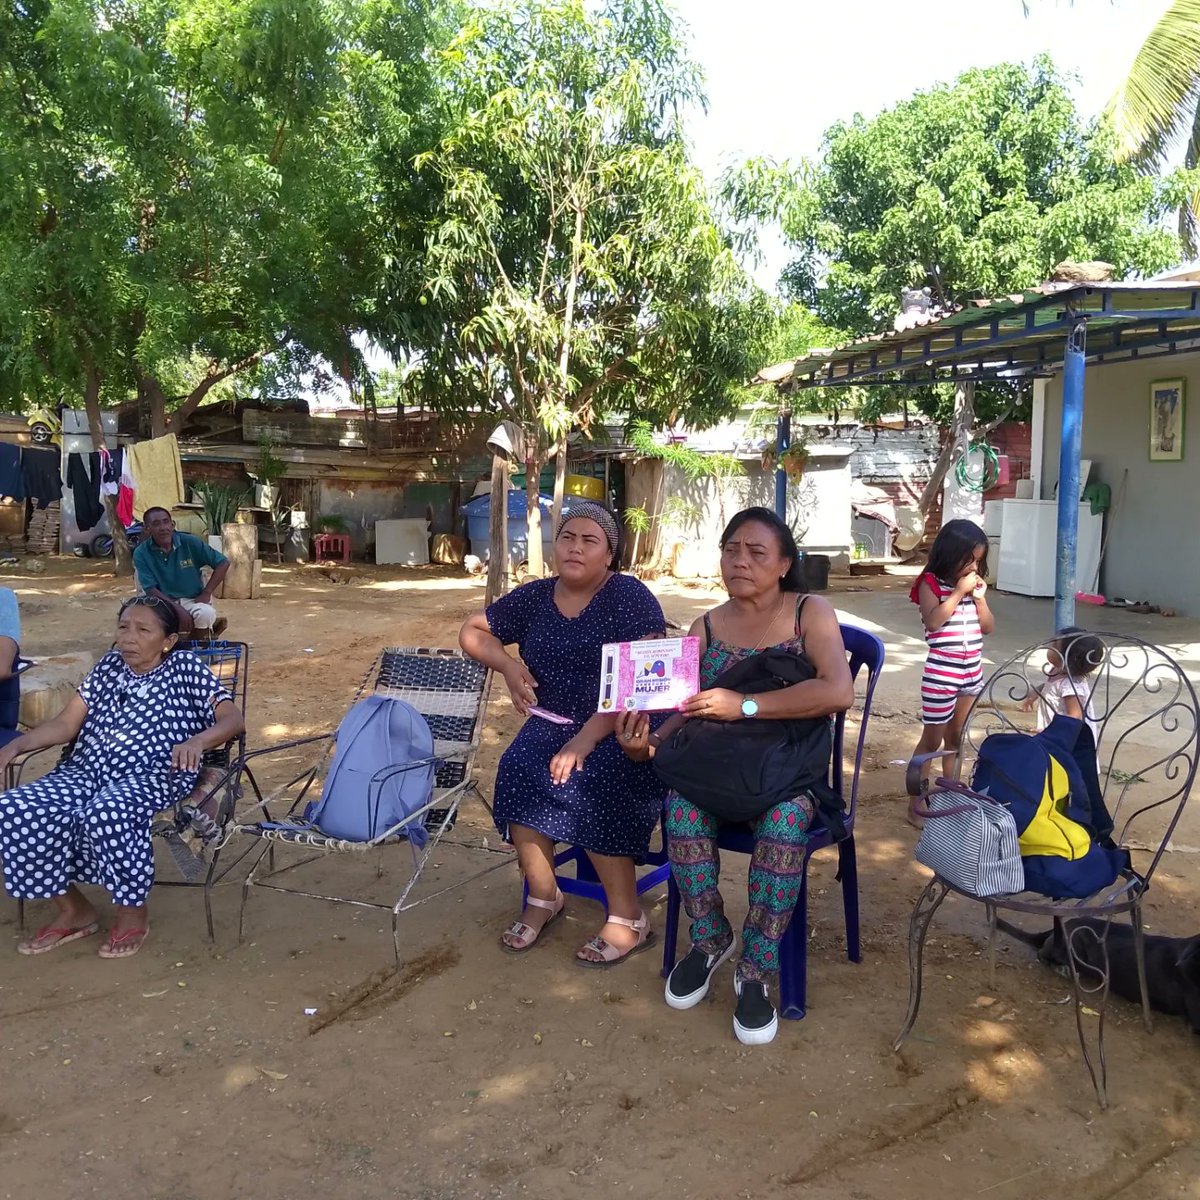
x=971 y=842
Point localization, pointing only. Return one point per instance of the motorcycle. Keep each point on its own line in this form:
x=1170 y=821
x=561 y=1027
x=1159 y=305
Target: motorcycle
x=101 y=546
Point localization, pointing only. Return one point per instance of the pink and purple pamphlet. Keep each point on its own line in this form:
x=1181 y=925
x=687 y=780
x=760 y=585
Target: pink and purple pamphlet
x=650 y=676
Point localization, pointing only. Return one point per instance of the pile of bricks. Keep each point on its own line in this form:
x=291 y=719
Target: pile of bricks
x=42 y=535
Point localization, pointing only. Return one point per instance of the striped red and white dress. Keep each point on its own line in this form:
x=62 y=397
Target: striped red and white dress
x=954 y=666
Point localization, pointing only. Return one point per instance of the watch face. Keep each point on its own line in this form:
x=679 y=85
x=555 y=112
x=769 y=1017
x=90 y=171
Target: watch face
x=749 y=707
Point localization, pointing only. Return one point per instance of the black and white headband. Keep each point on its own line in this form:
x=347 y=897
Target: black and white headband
x=590 y=511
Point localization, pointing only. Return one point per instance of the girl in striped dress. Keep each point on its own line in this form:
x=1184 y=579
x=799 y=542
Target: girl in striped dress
x=952 y=595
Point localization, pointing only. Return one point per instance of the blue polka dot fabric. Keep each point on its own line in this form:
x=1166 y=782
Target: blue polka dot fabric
x=612 y=805
x=88 y=821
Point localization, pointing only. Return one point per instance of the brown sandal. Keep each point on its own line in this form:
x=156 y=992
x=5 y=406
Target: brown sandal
x=528 y=933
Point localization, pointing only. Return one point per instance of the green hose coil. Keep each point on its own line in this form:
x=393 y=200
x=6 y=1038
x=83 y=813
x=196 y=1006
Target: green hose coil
x=978 y=479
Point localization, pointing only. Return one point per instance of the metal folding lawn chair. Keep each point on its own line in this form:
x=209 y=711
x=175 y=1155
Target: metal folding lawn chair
x=450 y=691
x=195 y=829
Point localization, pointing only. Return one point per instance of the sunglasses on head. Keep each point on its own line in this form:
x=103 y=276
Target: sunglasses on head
x=148 y=602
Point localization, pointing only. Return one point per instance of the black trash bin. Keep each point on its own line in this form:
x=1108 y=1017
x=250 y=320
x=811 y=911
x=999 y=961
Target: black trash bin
x=814 y=570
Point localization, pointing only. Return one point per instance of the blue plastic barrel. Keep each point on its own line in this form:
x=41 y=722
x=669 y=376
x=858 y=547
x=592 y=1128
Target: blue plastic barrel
x=478 y=515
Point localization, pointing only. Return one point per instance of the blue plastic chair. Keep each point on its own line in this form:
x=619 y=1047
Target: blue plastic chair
x=10 y=706
x=586 y=883
x=863 y=650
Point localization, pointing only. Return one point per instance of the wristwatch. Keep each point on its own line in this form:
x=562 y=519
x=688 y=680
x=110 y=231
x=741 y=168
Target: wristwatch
x=749 y=706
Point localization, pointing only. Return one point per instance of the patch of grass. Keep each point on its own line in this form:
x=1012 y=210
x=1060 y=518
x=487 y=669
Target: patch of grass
x=1119 y=776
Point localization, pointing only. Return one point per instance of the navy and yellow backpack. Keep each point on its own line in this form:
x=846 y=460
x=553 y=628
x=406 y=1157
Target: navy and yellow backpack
x=1050 y=783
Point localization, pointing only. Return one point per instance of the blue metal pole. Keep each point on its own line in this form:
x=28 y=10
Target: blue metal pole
x=1068 y=475
x=783 y=439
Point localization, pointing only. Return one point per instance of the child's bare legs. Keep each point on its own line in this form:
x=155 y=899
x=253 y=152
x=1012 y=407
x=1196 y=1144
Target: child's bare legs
x=932 y=737
x=951 y=763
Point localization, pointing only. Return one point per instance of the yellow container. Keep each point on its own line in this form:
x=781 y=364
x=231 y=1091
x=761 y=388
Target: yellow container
x=585 y=486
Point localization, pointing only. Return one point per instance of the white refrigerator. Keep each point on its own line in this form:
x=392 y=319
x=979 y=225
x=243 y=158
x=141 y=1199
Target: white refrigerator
x=1029 y=548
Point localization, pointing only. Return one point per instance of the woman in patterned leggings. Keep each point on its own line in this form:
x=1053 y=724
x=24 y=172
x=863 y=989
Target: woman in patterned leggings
x=140 y=721
x=760 y=569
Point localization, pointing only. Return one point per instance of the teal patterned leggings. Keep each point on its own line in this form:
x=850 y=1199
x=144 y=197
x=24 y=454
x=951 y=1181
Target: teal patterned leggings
x=776 y=870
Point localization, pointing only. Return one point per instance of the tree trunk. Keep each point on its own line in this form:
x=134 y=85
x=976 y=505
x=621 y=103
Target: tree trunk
x=564 y=364
x=533 y=509
x=154 y=394
x=497 y=578
x=560 y=480
x=122 y=555
x=962 y=433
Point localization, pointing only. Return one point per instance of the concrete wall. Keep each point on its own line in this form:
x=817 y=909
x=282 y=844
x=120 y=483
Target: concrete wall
x=818 y=509
x=361 y=504
x=1151 y=551
x=702 y=508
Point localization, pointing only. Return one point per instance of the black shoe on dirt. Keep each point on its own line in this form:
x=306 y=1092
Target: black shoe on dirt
x=755 y=1021
x=689 y=978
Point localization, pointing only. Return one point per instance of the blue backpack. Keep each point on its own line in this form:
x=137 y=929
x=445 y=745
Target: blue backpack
x=1050 y=783
x=378 y=732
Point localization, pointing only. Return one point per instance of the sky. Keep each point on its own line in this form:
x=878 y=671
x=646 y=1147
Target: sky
x=780 y=72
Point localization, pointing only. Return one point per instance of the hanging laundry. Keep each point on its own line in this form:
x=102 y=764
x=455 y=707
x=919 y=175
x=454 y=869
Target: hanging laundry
x=126 y=488
x=11 y=483
x=110 y=471
x=85 y=488
x=39 y=472
x=159 y=473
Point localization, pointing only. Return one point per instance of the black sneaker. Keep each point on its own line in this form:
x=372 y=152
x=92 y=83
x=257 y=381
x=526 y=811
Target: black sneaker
x=689 y=978
x=755 y=1021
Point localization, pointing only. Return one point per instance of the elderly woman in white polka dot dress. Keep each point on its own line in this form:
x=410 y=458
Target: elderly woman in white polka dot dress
x=141 y=722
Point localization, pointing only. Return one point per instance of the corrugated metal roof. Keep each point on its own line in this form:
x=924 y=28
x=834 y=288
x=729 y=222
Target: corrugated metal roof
x=1011 y=337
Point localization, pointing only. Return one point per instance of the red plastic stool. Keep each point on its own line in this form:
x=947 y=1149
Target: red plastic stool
x=331 y=545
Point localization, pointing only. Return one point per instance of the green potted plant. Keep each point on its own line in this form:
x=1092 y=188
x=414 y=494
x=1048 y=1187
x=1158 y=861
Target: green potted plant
x=793 y=461
x=269 y=470
x=221 y=502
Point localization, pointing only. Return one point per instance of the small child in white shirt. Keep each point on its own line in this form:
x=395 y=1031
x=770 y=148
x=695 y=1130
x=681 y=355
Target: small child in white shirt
x=1067 y=691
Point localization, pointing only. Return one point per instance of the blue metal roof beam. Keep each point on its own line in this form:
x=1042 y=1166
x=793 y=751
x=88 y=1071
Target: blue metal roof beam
x=948 y=342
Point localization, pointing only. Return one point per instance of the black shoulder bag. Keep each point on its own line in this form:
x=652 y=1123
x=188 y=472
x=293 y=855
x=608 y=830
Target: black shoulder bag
x=737 y=770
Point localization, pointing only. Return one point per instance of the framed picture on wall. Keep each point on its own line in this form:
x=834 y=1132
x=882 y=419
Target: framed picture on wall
x=1166 y=420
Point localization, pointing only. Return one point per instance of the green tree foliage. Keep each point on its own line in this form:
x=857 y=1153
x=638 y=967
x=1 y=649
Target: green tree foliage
x=572 y=265
x=1157 y=105
x=189 y=188
x=972 y=189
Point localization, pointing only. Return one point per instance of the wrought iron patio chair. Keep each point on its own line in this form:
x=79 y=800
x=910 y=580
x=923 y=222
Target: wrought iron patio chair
x=451 y=692
x=1148 y=735
x=194 y=828
x=865 y=652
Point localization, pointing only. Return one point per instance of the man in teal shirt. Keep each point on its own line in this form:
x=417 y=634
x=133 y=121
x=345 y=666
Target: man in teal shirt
x=168 y=566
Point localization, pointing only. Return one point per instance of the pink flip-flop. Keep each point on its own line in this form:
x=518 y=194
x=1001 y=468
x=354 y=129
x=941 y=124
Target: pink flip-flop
x=60 y=936
x=123 y=945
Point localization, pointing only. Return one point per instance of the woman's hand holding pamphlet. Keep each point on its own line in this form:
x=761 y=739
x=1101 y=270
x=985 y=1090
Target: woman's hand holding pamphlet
x=652 y=676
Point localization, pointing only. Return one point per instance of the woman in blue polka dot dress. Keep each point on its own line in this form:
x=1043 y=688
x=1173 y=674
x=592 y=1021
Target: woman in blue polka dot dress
x=570 y=782
x=140 y=721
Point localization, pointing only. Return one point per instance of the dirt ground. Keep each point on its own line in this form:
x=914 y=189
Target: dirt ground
x=191 y=1072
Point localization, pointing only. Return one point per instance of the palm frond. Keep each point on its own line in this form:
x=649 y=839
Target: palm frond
x=1156 y=102
x=1189 y=224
